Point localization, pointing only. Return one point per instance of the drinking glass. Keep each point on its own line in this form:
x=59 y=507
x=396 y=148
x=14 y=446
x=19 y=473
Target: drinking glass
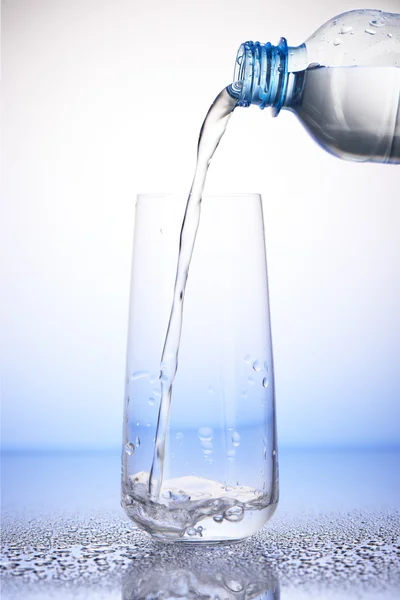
x=220 y=471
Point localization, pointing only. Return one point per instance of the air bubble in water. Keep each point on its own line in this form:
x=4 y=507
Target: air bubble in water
x=370 y=31
x=191 y=531
x=235 y=438
x=129 y=448
x=233 y=585
x=265 y=382
x=257 y=366
x=235 y=513
x=218 y=518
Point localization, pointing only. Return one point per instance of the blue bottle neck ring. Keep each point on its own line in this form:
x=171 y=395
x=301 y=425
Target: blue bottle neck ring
x=262 y=71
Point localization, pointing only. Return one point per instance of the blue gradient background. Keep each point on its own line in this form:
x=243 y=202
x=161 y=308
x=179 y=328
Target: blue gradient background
x=103 y=99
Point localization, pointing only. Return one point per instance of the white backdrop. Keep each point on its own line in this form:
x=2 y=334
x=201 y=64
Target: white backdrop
x=103 y=99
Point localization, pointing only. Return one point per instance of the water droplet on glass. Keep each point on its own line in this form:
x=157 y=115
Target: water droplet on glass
x=139 y=375
x=235 y=438
x=257 y=366
x=346 y=29
x=218 y=518
x=235 y=513
x=152 y=379
x=151 y=401
x=265 y=382
x=129 y=448
x=137 y=442
x=205 y=433
x=231 y=454
x=389 y=35
x=250 y=381
x=337 y=42
x=247 y=359
x=370 y=31
x=207 y=446
x=179 y=437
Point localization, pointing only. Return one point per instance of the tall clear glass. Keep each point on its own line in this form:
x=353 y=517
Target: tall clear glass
x=220 y=473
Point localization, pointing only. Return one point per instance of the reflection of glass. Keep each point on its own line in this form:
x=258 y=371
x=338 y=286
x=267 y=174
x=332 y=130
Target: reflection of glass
x=200 y=576
x=220 y=478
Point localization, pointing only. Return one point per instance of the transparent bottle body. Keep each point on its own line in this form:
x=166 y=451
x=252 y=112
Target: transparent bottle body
x=343 y=84
x=220 y=479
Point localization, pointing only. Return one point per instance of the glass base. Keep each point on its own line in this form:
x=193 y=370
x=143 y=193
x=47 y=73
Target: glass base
x=205 y=519
x=223 y=533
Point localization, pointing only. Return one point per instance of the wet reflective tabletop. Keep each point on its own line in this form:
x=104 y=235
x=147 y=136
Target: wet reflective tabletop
x=335 y=535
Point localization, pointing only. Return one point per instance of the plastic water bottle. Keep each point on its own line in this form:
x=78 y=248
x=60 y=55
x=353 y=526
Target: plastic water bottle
x=343 y=83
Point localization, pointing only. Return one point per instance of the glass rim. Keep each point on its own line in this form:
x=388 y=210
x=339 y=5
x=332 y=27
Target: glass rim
x=183 y=195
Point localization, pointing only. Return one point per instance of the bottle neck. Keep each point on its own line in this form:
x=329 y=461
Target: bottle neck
x=264 y=75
